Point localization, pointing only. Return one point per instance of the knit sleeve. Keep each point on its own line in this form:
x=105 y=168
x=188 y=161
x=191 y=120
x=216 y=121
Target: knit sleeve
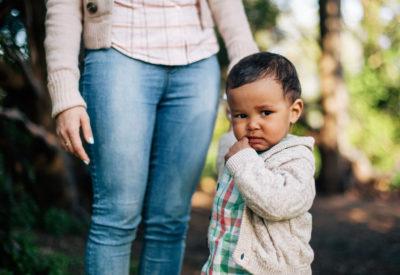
x=62 y=44
x=225 y=142
x=281 y=193
x=232 y=23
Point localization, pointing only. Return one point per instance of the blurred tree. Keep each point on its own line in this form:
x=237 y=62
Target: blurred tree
x=262 y=16
x=334 y=170
x=375 y=92
x=27 y=140
x=22 y=39
x=360 y=145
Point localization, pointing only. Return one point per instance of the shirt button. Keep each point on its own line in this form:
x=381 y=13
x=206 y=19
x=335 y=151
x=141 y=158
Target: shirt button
x=91 y=7
x=213 y=225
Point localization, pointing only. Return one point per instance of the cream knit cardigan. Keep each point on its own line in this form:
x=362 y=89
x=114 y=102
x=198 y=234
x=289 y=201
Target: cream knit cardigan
x=278 y=189
x=66 y=20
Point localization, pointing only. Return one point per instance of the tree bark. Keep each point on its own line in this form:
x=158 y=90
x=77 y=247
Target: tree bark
x=335 y=169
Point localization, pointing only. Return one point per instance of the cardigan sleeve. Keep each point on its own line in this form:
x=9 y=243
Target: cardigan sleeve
x=231 y=21
x=279 y=194
x=225 y=142
x=62 y=44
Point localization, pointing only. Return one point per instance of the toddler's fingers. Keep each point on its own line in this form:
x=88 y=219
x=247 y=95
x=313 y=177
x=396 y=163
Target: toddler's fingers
x=227 y=156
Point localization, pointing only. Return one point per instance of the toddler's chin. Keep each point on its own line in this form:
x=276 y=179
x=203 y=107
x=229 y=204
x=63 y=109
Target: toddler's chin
x=258 y=147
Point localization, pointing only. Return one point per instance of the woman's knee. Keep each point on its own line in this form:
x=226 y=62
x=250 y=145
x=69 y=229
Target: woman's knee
x=166 y=228
x=115 y=224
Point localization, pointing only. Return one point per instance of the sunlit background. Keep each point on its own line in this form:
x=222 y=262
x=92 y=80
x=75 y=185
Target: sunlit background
x=350 y=76
x=370 y=56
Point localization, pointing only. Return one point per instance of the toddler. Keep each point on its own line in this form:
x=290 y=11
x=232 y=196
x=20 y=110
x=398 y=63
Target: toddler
x=260 y=222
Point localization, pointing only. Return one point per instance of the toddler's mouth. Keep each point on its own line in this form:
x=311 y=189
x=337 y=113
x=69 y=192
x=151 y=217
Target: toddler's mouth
x=254 y=139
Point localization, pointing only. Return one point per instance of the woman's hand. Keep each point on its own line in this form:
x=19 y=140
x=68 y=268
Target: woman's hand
x=239 y=145
x=69 y=123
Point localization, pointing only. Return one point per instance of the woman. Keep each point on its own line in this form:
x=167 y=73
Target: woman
x=150 y=86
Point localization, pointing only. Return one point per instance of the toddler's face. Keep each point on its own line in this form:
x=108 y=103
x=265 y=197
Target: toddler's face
x=262 y=113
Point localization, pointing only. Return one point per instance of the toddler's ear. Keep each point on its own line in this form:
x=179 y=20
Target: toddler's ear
x=295 y=110
x=228 y=112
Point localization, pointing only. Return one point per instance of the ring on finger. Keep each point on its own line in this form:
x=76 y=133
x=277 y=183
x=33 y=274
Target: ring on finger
x=67 y=143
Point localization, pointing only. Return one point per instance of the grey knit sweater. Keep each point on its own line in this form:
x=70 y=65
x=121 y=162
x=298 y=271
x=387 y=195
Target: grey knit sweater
x=278 y=189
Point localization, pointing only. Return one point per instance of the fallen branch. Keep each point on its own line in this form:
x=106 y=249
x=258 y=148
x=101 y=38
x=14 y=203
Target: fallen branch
x=35 y=130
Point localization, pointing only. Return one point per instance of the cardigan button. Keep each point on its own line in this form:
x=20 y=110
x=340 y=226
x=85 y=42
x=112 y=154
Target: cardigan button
x=242 y=256
x=91 y=7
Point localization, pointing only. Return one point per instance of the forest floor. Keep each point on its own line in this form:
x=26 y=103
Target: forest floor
x=350 y=236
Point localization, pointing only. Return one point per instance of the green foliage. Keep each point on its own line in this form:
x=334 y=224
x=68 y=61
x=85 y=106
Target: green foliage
x=375 y=93
x=20 y=253
x=262 y=14
x=221 y=127
x=395 y=182
x=134 y=267
x=22 y=256
x=59 y=222
x=300 y=129
x=20 y=216
x=17 y=208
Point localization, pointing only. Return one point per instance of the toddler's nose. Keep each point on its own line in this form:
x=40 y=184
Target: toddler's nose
x=253 y=124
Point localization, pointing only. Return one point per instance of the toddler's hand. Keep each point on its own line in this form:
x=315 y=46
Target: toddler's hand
x=239 y=145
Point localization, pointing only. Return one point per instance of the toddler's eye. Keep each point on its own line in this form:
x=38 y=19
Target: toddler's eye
x=266 y=113
x=240 y=116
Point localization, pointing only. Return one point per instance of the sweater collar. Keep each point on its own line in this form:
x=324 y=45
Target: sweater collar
x=287 y=142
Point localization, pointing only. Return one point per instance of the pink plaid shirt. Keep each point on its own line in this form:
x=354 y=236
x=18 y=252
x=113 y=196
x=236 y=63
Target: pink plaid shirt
x=166 y=32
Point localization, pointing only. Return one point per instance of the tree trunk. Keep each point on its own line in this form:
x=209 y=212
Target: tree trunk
x=27 y=105
x=35 y=12
x=335 y=169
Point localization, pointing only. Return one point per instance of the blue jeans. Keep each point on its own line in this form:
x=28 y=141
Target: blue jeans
x=152 y=126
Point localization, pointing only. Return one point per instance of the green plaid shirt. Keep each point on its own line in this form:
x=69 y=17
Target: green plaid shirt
x=223 y=232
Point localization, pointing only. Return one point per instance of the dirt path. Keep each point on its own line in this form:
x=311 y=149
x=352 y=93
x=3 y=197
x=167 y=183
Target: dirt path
x=350 y=236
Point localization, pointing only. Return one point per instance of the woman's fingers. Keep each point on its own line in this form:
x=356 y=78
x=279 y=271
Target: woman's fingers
x=86 y=129
x=65 y=142
x=77 y=147
x=69 y=123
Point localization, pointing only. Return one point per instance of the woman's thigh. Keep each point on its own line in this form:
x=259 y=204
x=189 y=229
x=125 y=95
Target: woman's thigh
x=183 y=131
